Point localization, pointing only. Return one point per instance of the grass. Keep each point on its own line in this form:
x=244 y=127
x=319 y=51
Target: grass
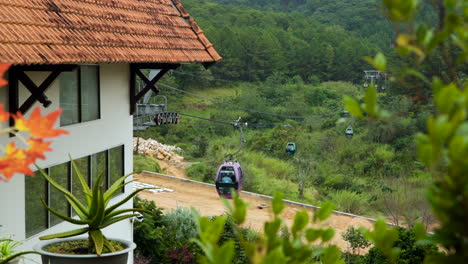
x=141 y=163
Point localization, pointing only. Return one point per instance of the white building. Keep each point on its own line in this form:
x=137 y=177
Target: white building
x=84 y=57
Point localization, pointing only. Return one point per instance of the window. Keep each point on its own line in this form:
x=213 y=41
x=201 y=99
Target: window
x=111 y=162
x=79 y=95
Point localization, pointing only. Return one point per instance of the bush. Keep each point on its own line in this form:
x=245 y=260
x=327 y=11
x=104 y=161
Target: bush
x=148 y=234
x=180 y=224
x=142 y=162
x=165 y=238
x=201 y=172
x=229 y=232
x=349 y=202
x=338 y=181
x=411 y=253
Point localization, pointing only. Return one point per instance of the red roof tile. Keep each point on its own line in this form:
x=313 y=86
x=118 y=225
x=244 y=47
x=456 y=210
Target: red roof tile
x=100 y=31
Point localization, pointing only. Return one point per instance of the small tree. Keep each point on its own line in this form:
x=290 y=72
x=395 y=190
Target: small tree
x=356 y=239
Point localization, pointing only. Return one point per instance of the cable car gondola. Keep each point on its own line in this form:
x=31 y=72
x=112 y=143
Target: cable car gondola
x=291 y=148
x=229 y=177
x=349 y=132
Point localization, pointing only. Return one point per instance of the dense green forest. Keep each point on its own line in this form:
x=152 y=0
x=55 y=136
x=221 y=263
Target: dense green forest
x=291 y=62
x=290 y=68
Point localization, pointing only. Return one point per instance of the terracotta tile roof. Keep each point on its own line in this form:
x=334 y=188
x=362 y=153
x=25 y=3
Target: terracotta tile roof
x=100 y=31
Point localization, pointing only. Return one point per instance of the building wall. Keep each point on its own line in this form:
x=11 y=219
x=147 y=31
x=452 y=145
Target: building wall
x=114 y=128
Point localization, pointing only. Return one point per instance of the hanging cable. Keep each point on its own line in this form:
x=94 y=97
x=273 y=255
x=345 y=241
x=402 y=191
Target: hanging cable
x=272 y=124
x=230 y=105
x=198 y=76
x=211 y=120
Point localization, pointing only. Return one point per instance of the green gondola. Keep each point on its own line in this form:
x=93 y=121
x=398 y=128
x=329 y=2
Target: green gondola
x=291 y=148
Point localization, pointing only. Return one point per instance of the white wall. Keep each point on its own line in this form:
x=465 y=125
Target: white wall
x=113 y=129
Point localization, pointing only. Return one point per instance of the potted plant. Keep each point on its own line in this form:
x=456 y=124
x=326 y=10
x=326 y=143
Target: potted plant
x=95 y=214
x=8 y=253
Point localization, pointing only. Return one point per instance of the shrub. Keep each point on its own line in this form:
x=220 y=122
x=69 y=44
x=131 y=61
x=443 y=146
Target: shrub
x=149 y=233
x=338 y=181
x=229 y=233
x=201 y=172
x=411 y=252
x=355 y=238
x=180 y=225
x=348 y=201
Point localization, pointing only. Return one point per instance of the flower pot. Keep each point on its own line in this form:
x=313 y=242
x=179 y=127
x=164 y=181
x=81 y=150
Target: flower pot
x=119 y=257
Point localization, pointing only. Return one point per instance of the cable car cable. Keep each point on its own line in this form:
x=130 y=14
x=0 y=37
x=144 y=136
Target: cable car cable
x=230 y=105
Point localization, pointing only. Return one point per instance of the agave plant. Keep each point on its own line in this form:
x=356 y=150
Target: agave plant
x=96 y=214
x=7 y=250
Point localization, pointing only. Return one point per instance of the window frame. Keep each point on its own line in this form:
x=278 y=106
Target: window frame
x=89 y=179
x=79 y=89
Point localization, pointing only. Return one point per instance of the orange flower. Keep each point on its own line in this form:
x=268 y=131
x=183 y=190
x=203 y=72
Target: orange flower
x=3 y=68
x=36 y=148
x=4 y=116
x=39 y=126
x=14 y=161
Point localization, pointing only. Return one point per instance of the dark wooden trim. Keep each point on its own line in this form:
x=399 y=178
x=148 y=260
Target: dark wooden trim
x=47 y=67
x=135 y=70
x=99 y=89
x=13 y=93
x=78 y=82
x=149 y=85
x=37 y=92
x=156 y=66
x=90 y=171
x=17 y=74
x=123 y=165
x=108 y=182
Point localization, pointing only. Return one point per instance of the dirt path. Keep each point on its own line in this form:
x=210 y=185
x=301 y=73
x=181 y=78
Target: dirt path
x=205 y=199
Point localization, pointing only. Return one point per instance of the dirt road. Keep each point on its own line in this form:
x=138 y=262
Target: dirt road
x=205 y=199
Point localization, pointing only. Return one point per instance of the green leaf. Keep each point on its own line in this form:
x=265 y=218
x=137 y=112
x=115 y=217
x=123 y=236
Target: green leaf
x=275 y=256
x=114 y=220
x=240 y=210
x=99 y=214
x=313 y=234
x=379 y=61
x=98 y=239
x=211 y=230
x=81 y=179
x=331 y=255
x=272 y=228
x=116 y=186
x=71 y=233
x=353 y=107
x=324 y=212
x=130 y=196
x=61 y=189
x=81 y=214
x=225 y=254
x=109 y=246
x=277 y=203
x=419 y=231
x=66 y=218
x=301 y=219
x=11 y=257
x=384 y=238
x=446 y=97
x=328 y=234
x=370 y=100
